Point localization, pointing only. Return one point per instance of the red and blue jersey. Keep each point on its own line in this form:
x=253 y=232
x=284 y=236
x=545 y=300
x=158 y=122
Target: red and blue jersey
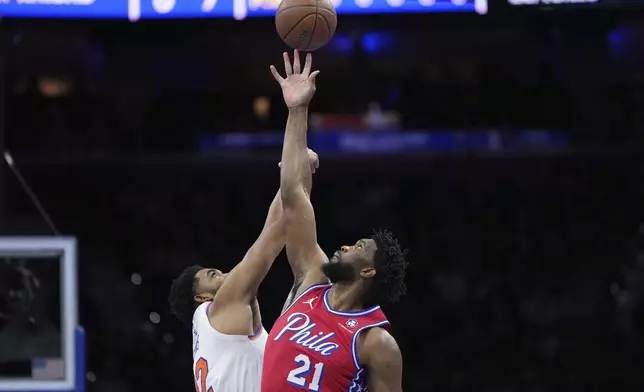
x=312 y=347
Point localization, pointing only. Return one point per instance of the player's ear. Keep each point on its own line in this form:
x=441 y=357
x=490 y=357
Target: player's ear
x=205 y=297
x=368 y=272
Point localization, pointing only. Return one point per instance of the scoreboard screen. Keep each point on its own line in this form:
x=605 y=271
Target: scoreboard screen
x=238 y=9
x=561 y=4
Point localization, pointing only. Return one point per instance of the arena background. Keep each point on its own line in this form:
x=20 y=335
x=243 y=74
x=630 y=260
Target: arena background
x=504 y=149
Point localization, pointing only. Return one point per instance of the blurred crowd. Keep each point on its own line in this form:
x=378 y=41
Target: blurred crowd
x=524 y=270
x=108 y=86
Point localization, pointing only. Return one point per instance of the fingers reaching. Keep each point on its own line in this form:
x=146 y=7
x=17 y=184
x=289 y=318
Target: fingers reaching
x=296 y=62
x=307 y=64
x=296 y=68
x=287 y=65
x=313 y=76
x=276 y=75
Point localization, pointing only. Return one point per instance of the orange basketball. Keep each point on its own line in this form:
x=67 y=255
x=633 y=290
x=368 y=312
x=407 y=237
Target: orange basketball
x=306 y=25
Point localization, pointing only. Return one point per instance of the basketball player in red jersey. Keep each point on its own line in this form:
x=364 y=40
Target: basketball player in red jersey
x=331 y=337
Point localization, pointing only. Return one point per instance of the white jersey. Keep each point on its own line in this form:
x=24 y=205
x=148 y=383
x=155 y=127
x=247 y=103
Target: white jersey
x=225 y=363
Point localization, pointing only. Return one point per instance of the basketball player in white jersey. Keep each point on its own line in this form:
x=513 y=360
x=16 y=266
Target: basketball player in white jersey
x=227 y=335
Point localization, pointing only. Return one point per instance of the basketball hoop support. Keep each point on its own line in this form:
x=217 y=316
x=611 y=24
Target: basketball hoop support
x=73 y=335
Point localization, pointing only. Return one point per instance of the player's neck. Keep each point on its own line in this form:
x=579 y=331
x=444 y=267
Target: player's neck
x=345 y=297
x=254 y=306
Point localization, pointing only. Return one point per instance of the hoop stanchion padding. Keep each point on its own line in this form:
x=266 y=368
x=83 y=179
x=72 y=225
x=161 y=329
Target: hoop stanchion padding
x=79 y=378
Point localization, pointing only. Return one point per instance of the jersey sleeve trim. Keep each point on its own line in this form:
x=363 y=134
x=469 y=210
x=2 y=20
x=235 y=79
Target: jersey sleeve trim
x=347 y=314
x=305 y=292
x=197 y=314
x=257 y=333
x=354 y=343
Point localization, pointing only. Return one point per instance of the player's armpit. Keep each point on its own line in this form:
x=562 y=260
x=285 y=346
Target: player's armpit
x=313 y=277
x=380 y=354
x=291 y=296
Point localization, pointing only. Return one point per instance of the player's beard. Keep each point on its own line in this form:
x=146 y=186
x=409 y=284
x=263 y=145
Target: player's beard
x=339 y=272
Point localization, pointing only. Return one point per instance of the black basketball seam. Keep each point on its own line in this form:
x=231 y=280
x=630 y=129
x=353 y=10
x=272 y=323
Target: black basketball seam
x=315 y=23
x=331 y=33
x=328 y=26
x=298 y=22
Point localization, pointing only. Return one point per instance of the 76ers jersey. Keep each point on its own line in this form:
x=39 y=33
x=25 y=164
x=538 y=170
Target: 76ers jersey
x=225 y=363
x=312 y=347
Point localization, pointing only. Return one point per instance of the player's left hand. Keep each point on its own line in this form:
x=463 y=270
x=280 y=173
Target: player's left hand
x=298 y=86
x=314 y=160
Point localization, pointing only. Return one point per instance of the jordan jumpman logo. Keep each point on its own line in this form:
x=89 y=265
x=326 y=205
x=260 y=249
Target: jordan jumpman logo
x=310 y=302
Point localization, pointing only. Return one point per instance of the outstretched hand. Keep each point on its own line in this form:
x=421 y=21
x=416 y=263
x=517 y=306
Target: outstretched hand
x=298 y=86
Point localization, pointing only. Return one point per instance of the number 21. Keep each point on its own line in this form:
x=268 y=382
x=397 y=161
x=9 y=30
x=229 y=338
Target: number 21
x=296 y=376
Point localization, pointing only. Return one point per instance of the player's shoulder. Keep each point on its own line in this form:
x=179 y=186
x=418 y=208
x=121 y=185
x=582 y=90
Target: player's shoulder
x=314 y=289
x=377 y=317
x=377 y=344
x=200 y=316
x=309 y=296
x=314 y=277
x=369 y=317
x=379 y=338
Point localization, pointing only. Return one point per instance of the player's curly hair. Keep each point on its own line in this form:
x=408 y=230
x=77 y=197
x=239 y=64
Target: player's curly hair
x=391 y=268
x=182 y=293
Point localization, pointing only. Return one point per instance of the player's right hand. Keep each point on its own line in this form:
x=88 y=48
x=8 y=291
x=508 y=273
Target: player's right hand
x=298 y=86
x=314 y=160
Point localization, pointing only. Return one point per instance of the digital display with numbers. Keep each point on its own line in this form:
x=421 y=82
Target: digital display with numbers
x=556 y=4
x=238 y=9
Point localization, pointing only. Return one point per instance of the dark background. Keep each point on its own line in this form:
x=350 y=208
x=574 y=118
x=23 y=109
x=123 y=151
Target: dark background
x=526 y=265
x=30 y=313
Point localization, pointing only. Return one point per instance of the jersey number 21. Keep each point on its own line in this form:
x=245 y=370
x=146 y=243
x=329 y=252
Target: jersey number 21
x=296 y=376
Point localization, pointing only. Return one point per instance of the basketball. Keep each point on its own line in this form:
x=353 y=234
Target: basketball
x=306 y=25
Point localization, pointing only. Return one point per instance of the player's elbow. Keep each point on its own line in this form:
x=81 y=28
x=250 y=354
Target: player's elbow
x=291 y=192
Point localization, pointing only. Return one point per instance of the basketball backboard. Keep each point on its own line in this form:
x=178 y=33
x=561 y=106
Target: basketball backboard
x=42 y=346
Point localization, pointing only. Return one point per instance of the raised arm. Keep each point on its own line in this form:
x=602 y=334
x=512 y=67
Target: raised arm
x=245 y=278
x=304 y=254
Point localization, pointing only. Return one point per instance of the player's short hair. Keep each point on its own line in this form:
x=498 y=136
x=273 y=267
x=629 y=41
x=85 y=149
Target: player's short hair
x=391 y=268
x=182 y=293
